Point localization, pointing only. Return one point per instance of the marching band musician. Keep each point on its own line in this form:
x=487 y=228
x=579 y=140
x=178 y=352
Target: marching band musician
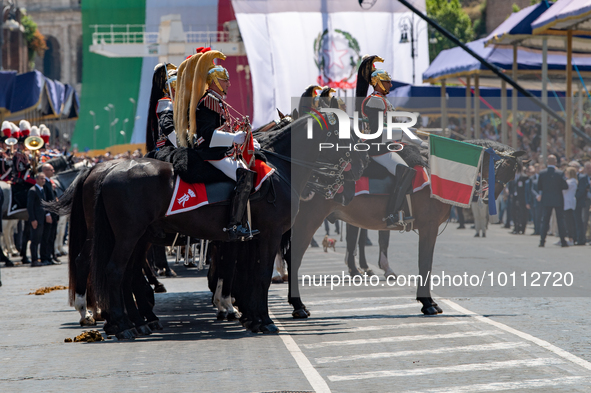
x=377 y=102
x=160 y=127
x=214 y=139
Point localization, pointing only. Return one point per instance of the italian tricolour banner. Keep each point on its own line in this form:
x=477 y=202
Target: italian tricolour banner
x=454 y=169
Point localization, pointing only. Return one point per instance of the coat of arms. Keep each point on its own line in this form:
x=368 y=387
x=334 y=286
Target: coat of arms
x=337 y=56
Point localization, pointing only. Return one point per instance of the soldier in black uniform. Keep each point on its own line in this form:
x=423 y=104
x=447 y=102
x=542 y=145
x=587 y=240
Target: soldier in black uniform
x=370 y=108
x=213 y=138
x=160 y=127
x=518 y=203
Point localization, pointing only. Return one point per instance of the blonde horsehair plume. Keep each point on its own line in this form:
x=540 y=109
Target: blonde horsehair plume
x=184 y=84
x=200 y=86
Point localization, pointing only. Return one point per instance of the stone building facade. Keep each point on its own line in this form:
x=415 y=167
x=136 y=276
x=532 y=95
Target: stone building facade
x=60 y=21
x=499 y=10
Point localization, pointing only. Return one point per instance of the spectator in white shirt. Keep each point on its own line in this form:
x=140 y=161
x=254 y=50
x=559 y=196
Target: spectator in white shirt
x=570 y=202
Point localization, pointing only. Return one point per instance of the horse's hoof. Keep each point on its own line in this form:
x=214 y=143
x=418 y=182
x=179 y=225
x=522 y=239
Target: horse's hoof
x=170 y=273
x=159 y=288
x=155 y=325
x=110 y=330
x=233 y=316
x=144 y=330
x=277 y=280
x=429 y=310
x=436 y=307
x=285 y=278
x=269 y=329
x=126 y=335
x=87 y=321
x=302 y=313
x=221 y=315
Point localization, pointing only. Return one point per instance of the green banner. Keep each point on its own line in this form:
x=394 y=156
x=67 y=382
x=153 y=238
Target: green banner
x=107 y=82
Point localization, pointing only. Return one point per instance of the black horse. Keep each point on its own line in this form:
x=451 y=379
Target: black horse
x=125 y=220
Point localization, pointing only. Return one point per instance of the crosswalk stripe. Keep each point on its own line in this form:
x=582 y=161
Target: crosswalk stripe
x=378 y=308
x=500 y=386
x=401 y=338
x=412 y=325
x=448 y=369
x=383 y=355
x=544 y=344
x=354 y=300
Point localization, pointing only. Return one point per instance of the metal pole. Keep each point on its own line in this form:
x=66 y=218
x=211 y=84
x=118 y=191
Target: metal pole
x=496 y=70
x=568 y=133
x=412 y=48
x=476 y=107
x=580 y=102
x=514 y=101
x=468 y=106
x=443 y=109
x=544 y=98
x=1 y=31
x=504 y=112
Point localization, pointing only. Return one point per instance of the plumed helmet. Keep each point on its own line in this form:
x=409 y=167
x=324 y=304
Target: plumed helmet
x=6 y=128
x=16 y=132
x=25 y=127
x=35 y=131
x=378 y=76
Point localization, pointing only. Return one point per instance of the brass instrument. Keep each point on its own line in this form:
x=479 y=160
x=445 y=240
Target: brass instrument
x=11 y=142
x=34 y=143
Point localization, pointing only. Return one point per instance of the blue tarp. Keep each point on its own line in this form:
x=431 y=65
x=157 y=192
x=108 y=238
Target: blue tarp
x=457 y=62
x=427 y=100
x=563 y=15
x=518 y=25
x=31 y=90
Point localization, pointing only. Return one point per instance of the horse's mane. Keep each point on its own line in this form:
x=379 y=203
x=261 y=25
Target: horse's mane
x=271 y=140
x=486 y=143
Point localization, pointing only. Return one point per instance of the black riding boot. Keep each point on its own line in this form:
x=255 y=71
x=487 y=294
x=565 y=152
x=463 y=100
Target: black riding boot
x=236 y=232
x=404 y=178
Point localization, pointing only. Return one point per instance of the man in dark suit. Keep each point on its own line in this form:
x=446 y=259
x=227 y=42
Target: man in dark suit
x=37 y=218
x=532 y=193
x=582 y=196
x=520 y=211
x=551 y=183
x=49 y=230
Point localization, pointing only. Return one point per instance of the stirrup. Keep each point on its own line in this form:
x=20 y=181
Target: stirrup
x=240 y=233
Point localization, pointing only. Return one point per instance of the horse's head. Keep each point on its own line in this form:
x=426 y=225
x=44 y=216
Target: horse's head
x=506 y=168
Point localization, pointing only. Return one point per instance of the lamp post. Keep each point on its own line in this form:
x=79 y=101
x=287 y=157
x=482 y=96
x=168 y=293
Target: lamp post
x=112 y=131
x=407 y=26
x=108 y=109
x=122 y=134
x=94 y=135
x=134 y=108
x=125 y=121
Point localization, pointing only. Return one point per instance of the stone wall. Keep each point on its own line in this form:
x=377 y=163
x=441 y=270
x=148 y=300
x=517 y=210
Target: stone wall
x=499 y=10
x=62 y=20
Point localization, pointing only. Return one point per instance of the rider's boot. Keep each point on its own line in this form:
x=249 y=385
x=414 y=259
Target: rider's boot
x=404 y=178
x=244 y=182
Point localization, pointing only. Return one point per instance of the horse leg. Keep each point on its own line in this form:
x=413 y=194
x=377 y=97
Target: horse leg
x=352 y=237
x=427 y=239
x=384 y=242
x=61 y=232
x=278 y=271
x=151 y=276
x=82 y=270
x=160 y=260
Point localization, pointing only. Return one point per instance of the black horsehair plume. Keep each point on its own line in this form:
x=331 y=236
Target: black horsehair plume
x=158 y=86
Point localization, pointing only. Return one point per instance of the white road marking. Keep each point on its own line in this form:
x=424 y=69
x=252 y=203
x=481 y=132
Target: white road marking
x=448 y=369
x=544 y=344
x=378 y=308
x=355 y=300
x=383 y=355
x=360 y=329
x=401 y=338
x=500 y=386
x=314 y=378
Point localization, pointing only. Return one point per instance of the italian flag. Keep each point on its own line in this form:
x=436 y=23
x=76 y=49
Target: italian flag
x=454 y=169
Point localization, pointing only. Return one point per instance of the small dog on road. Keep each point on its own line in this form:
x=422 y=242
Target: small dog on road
x=329 y=243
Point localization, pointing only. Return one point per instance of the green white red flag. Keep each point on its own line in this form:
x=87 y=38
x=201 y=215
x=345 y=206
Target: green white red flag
x=454 y=170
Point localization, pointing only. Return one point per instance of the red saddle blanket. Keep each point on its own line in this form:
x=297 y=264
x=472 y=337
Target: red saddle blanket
x=366 y=185
x=187 y=197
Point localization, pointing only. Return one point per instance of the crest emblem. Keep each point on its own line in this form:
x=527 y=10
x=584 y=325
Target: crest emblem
x=337 y=56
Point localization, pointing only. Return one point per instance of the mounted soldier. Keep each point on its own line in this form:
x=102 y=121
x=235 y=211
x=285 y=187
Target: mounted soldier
x=377 y=102
x=160 y=127
x=213 y=134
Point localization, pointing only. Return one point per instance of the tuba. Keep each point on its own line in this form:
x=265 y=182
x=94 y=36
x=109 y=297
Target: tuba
x=34 y=143
x=11 y=142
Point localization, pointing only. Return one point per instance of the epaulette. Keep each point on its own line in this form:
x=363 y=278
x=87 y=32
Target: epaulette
x=164 y=104
x=212 y=102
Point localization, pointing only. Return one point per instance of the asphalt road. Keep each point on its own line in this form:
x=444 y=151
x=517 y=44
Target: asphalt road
x=365 y=338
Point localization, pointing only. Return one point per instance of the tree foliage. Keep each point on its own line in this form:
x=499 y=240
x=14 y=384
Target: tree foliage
x=35 y=40
x=451 y=16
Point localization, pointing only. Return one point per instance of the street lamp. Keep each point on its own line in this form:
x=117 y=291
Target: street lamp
x=96 y=127
x=122 y=134
x=405 y=25
x=112 y=132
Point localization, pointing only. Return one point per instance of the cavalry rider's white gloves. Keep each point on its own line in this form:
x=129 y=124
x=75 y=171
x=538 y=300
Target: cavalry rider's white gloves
x=239 y=137
x=257 y=145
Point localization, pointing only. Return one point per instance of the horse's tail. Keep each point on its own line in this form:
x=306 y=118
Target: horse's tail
x=73 y=200
x=102 y=246
x=64 y=205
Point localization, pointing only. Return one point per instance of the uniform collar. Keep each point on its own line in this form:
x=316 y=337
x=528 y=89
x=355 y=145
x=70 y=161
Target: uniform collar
x=215 y=94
